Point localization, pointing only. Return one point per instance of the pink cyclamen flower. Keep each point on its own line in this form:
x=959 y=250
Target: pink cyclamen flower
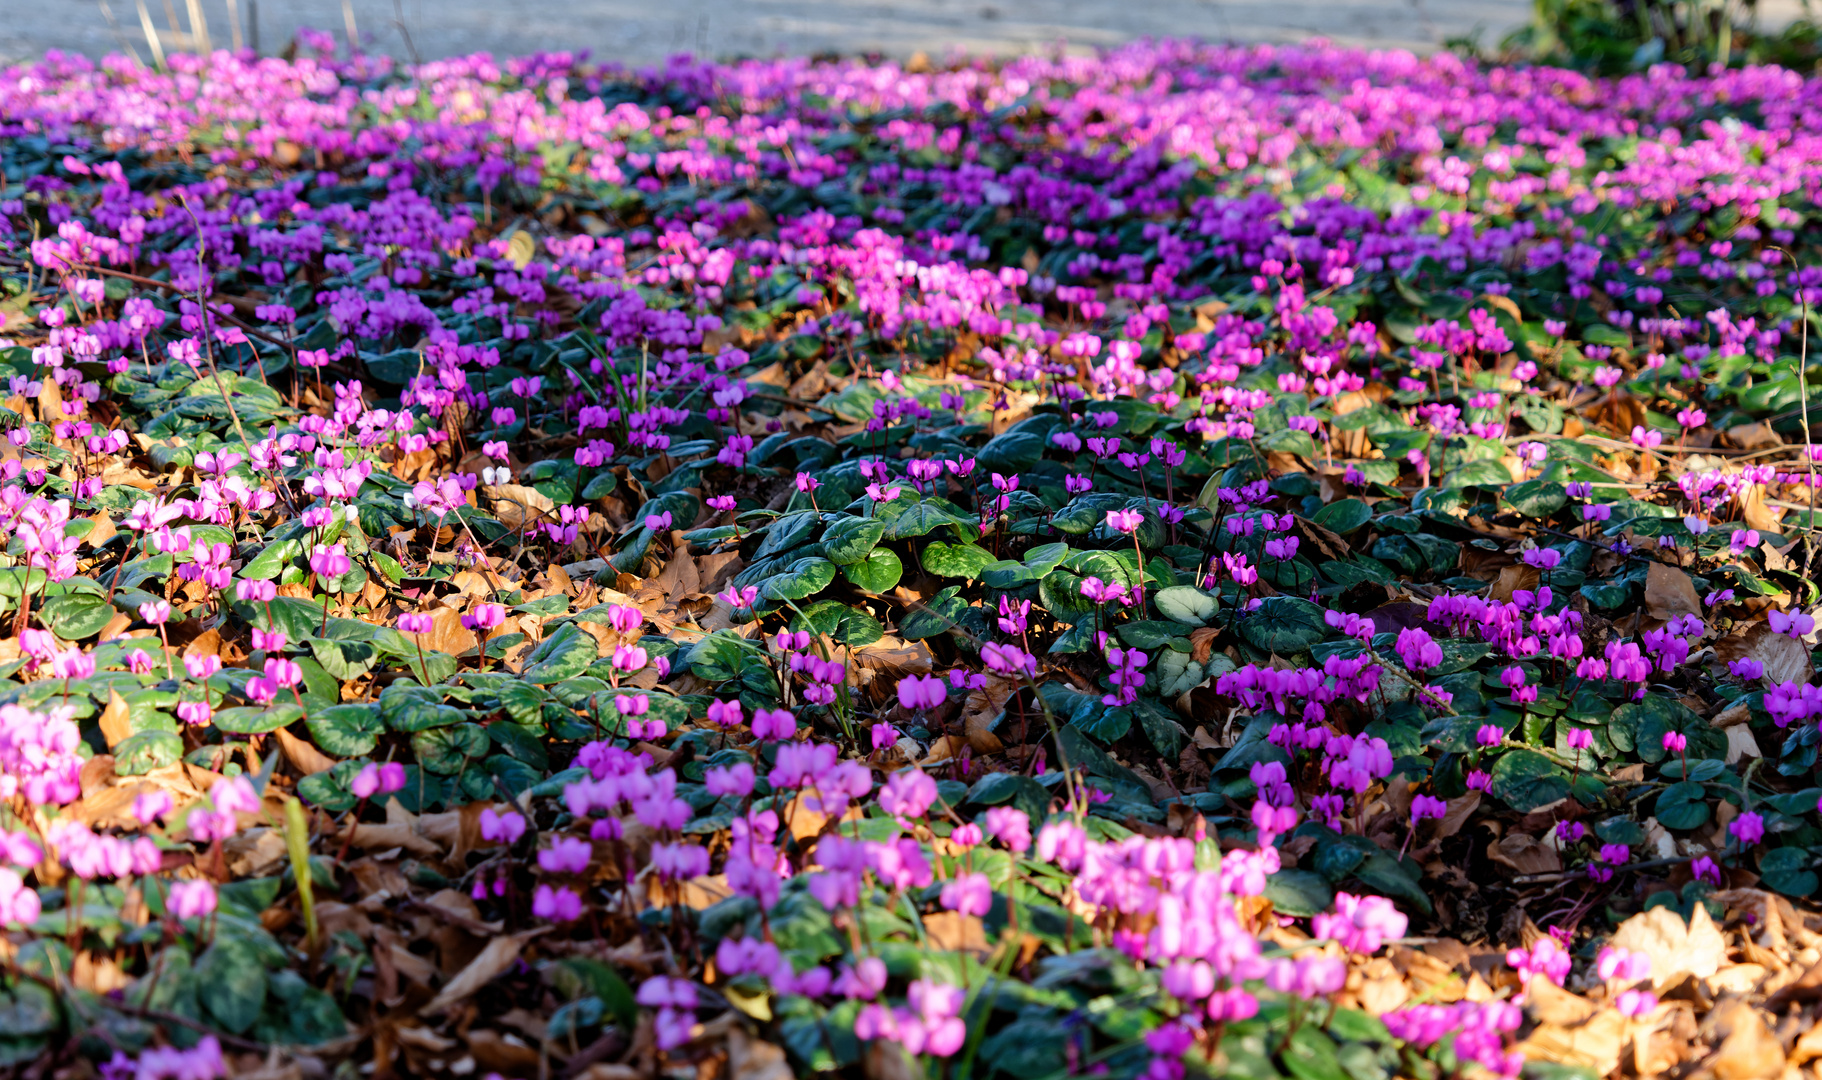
x=921 y=692
x=1793 y=624
x=149 y=806
x=19 y=903
x=502 y=827
x=968 y=894
x=776 y=724
x=558 y=904
x=568 y=855
x=1125 y=521
x=484 y=617
x=190 y=899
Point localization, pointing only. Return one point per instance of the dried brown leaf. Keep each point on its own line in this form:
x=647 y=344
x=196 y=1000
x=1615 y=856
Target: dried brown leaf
x=1676 y=948
x=1513 y=578
x=1750 y=1051
x=303 y=755
x=755 y=1059
x=1524 y=854
x=116 y=723
x=495 y=959
x=1548 y=1003
x=1669 y=592
x=1785 y=660
x=982 y=710
x=1595 y=1045
x=950 y=931
x=1460 y=811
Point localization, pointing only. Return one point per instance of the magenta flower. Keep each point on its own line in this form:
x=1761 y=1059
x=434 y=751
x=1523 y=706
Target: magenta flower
x=484 y=617
x=968 y=894
x=502 y=827
x=190 y=899
x=19 y=904
x=1124 y=521
x=558 y=904
x=921 y=692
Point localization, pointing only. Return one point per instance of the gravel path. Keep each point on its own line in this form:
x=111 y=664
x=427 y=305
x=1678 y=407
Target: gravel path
x=644 y=31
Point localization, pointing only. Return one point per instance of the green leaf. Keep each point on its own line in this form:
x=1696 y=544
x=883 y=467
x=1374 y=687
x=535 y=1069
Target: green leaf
x=999 y=789
x=1151 y=634
x=1790 y=870
x=447 y=751
x=1011 y=452
x=27 y=1009
x=1029 y=1046
x=1389 y=875
x=344 y=659
x=1526 y=780
x=878 y=571
x=848 y=539
x=600 y=486
x=1299 y=893
x=396 y=367
x=1178 y=674
x=1285 y=625
x=566 y=653
x=231 y=982
x=955 y=560
x=1647 y=722
x=250 y=720
x=272 y=560
x=75 y=616
x=137 y=755
x=1160 y=726
x=1478 y=473
x=346 y=731
x=941 y=613
x=1185 y=604
x=803 y=578
x=919 y=517
x=411 y=716
x=846 y=625
x=1536 y=498
x=1310 y=1055
x=788 y=533
x=1682 y=806
x=1344 y=516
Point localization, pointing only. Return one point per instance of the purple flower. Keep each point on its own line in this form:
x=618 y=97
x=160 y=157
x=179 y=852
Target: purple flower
x=968 y=894
x=907 y=794
x=558 y=904
x=502 y=827
x=190 y=899
x=1124 y=521
x=921 y=692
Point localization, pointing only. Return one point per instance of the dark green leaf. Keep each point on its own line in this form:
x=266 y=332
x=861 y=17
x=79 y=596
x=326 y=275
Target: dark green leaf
x=878 y=572
x=1526 y=780
x=1299 y=893
x=1285 y=625
x=566 y=653
x=955 y=560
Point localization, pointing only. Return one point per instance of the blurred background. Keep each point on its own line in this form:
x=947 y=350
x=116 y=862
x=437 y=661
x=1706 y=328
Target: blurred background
x=1617 y=34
